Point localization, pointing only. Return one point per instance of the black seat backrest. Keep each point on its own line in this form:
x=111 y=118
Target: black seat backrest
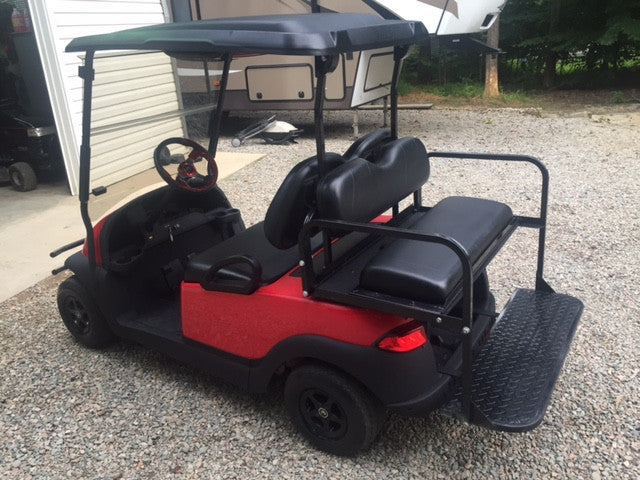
x=359 y=190
x=294 y=200
x=368 y=145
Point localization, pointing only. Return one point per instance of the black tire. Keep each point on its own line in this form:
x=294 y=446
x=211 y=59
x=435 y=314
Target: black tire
x=81 y=315
x=22 y=177
x=335 y=413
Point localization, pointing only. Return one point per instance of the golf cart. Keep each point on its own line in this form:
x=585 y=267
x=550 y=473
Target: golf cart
x=360 y=311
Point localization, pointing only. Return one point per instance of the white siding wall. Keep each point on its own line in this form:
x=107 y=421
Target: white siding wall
x=126 y=87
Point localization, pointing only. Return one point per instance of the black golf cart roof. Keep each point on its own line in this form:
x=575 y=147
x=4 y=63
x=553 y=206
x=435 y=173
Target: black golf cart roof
x=300 y=34
x=323 y=35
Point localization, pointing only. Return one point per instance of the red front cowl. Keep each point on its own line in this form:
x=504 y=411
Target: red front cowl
x=251 y=325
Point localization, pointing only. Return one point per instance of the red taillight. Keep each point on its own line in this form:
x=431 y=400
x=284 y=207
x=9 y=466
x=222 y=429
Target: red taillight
x=404 y=342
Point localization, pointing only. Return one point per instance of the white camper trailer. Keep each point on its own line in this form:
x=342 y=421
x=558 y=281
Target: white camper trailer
x=256 y=82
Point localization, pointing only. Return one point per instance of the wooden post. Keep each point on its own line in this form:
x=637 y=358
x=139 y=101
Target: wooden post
x=491 y=86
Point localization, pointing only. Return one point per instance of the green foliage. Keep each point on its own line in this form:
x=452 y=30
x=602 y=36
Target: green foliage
x=618 y=97
x=404 y=87
x=560 y=43
x=440 y=66
x=619 y=27
x=464 y=89
x=577 y=36
x=517 y=96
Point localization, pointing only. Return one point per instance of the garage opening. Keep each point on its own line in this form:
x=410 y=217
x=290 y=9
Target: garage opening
x=29 y=147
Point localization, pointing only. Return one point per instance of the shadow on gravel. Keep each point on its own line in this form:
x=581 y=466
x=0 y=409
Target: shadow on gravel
x=400 y=437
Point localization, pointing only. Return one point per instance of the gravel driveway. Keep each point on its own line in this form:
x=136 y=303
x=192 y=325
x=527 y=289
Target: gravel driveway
x=127 y=412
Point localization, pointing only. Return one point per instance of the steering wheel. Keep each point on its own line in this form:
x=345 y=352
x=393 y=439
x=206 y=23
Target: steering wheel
x=188 y=178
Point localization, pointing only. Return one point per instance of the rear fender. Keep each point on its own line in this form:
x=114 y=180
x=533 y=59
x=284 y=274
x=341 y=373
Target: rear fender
x=392 y=377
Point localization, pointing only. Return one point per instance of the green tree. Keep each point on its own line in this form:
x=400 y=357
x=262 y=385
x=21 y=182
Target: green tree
x=540 y=33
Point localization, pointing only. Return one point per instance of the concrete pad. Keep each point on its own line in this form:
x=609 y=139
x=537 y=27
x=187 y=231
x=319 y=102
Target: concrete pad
x=37 y=222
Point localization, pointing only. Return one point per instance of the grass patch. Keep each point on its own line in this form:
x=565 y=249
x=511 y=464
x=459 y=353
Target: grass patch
x=516 y=96
x=618 y=97
x=465 y=89
x=461 y=94
x=405 y=88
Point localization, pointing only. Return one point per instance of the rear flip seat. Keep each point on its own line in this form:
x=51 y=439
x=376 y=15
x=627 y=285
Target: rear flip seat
x=361 y=189
x=429 y=272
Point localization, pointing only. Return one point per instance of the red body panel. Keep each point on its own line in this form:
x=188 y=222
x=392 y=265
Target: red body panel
x=251 y=325
x=97 y=232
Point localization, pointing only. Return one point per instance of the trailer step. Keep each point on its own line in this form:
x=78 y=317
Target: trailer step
x=515 y=371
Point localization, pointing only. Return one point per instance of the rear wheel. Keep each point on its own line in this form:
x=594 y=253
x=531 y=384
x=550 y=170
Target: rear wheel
x=331 y=410
x=81 y=315
x=22 y=177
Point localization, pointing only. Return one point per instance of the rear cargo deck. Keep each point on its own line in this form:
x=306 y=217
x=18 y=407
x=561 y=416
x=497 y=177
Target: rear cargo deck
x=515 y=371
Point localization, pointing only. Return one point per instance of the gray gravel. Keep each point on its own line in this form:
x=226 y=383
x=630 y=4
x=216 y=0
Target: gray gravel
x=128 y=412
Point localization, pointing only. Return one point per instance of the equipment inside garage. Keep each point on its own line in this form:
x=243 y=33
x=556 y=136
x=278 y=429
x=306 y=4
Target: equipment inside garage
x=29 y=147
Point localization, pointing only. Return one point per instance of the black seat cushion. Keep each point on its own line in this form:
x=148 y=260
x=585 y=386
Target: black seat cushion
x=368 y=146
x=293 y=201
x=427 y=271
x=251 y=242
x=360 y=189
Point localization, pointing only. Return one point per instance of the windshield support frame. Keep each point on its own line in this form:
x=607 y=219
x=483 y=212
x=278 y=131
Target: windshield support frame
x=215 y=121
x=87 y=73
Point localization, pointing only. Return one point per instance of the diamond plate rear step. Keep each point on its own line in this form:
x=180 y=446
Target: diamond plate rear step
x=515 y=371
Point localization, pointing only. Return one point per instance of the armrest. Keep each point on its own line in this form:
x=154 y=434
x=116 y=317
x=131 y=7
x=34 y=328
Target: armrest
x=225 y=276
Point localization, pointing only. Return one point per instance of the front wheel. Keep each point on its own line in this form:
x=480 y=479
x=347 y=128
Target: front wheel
x=22 y=177
x=81 y=315
x=331 y=410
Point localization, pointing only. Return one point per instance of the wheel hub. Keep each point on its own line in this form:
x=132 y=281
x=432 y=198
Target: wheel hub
x=79 y=316
x=323 y=415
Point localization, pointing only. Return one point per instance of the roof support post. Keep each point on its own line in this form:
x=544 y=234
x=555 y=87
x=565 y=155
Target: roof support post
x=87 y=73
x=323 y=66
x=216 y=115
x=399 y=53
